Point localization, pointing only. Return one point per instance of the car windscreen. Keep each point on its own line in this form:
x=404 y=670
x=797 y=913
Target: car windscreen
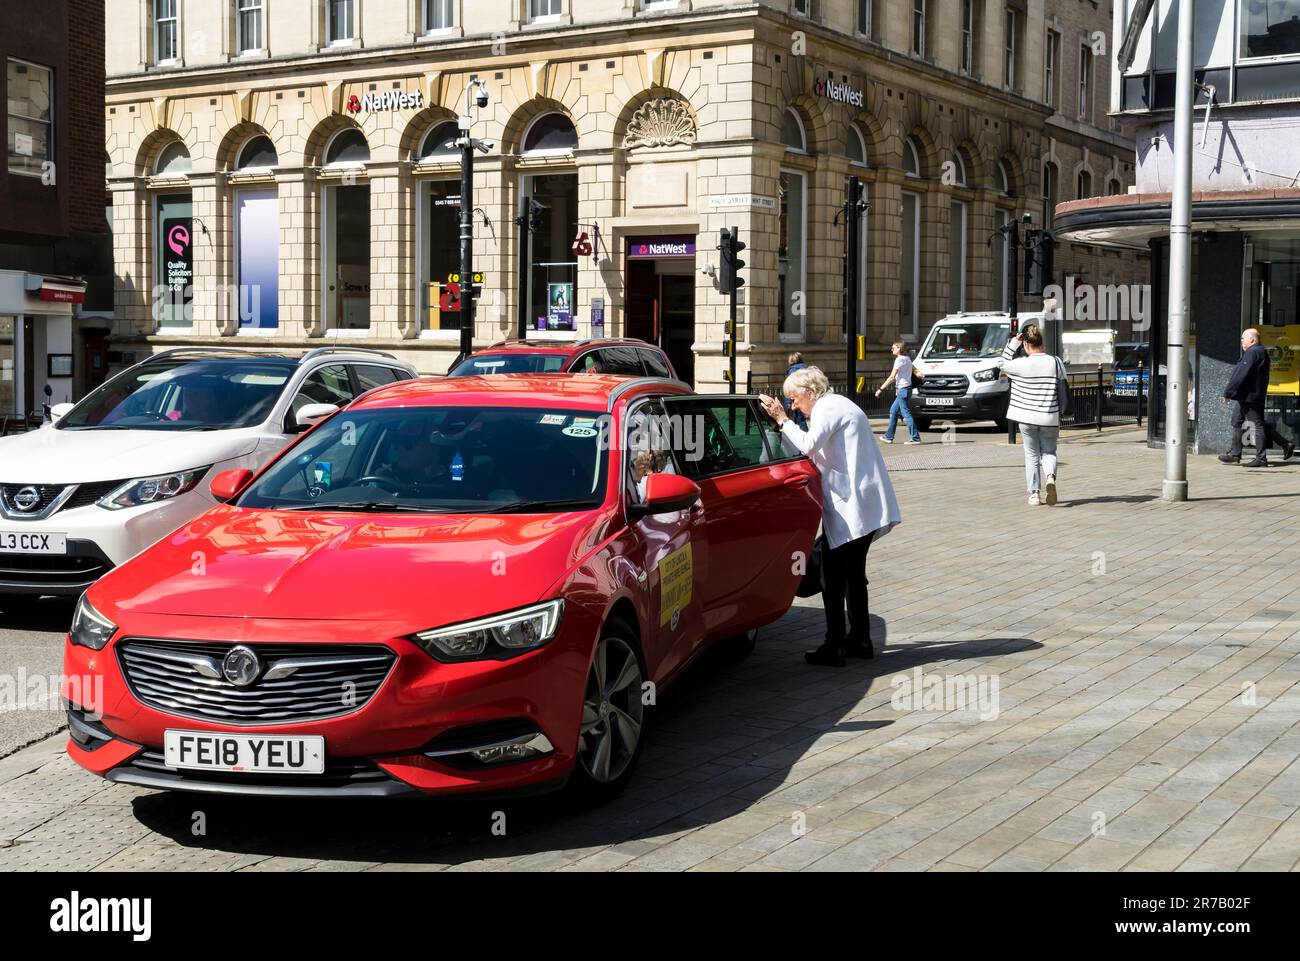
x=183 y=395
x=1129 y=359
x=966 y=341
x=453 y=460
x=511 y=363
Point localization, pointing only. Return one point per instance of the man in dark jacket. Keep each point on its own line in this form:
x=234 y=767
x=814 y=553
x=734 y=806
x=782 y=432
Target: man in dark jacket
x=1247 y=389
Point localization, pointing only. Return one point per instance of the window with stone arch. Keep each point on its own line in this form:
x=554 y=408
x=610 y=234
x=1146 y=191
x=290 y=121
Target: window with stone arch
x=909 y=278
x=857 y=146
x=792 y=239
x=550 y=133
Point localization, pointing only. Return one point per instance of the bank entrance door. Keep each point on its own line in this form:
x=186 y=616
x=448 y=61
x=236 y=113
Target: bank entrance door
x=659 y=298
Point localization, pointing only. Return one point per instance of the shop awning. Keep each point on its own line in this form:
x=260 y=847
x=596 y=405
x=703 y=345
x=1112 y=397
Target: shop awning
x=58 y=290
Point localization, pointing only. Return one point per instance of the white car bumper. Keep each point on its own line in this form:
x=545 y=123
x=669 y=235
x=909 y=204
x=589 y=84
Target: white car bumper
x=97 y=540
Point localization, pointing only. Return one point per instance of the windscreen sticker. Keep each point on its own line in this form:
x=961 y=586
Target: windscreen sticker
x=581 y=427
x=553 y=420
x=676 y=580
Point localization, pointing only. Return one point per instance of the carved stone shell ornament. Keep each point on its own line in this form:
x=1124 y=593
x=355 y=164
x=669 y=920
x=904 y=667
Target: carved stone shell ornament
x=660 y=123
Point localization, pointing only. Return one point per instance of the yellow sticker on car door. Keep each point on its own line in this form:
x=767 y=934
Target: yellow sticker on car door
x=676 y=581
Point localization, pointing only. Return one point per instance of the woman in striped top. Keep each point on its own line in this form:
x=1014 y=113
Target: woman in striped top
x=1035 y=406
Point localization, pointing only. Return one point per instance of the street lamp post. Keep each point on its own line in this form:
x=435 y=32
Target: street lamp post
x=1180 y=262
x=468 y=145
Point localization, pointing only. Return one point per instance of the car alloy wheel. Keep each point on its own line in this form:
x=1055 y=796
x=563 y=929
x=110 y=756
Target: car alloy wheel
x=613 y=717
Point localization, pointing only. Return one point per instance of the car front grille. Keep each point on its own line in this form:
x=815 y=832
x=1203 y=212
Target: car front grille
x=944 y=385
x=338 y=773
x=80 y=495
x=296 y=682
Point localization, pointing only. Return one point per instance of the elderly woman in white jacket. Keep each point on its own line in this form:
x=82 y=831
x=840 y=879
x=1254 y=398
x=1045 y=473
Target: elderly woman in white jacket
x=858 y=503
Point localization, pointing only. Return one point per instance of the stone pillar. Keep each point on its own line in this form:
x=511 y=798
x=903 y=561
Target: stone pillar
x=214 y=314
x=391 y=256
x=132 y=267
x=300 y=315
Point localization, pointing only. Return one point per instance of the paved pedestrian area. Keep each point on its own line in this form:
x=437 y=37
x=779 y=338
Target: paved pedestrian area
x=1121 y=693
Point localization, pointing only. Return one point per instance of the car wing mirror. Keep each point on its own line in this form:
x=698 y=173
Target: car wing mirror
x=666 y=494
x=313 y=414
x=229 y=483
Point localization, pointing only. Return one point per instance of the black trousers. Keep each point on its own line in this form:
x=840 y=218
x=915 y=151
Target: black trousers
x=1264 y=433
x=844 y=574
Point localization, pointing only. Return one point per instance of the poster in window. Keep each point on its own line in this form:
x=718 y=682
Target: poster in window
x=559 y=312
x=258 y=216
x=177 y=268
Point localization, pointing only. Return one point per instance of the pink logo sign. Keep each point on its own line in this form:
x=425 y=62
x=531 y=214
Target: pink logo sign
x=178 y=238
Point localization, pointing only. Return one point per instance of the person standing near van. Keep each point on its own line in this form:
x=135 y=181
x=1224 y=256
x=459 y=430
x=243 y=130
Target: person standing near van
x=1035 y=406
x=901 y=378
x=1247 y=390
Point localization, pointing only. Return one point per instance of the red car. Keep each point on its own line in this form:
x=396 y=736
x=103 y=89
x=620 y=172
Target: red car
x=627 y=356
x=450 y=586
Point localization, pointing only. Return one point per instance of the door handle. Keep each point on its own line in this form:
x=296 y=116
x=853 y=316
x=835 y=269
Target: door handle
x=799 y=482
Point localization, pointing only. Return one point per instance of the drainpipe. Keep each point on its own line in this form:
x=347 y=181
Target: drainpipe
x=1180 y=263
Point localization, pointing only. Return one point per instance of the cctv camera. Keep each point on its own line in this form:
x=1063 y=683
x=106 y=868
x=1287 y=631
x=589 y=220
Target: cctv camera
x=482 y=97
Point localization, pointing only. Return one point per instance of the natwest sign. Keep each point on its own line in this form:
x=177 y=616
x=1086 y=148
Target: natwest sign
x=641 y=248
x=839 y=92
x=389 y=100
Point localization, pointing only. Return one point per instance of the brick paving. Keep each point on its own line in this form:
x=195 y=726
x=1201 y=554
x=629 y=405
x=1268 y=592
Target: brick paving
x=1146 y=658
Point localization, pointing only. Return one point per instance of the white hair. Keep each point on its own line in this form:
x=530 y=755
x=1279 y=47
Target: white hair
x=808 y=380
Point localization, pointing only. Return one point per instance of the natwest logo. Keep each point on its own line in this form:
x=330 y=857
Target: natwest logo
x=839 y=92
x=389 y=100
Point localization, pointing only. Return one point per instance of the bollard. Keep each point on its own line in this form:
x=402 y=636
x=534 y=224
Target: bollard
x=1100 y=391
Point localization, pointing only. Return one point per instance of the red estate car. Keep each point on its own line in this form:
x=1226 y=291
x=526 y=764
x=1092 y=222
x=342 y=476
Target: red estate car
x=450 y=586
x=627 y=356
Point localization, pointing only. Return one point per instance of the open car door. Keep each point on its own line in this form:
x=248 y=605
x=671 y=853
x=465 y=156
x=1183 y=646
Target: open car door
x=762 y=505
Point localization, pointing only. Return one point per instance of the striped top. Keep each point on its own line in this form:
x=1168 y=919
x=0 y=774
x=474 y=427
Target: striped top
x=1033 y=386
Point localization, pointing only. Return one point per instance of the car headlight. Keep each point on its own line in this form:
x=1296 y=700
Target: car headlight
x=494 y=638
x=986 y=375
x=150 y=490
x=89 y=627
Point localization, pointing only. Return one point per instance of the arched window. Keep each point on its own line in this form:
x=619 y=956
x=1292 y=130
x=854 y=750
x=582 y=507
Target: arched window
x=347 y=147
x=173 y=160
x=911 y=158
x=257 y=154
x=1005 y=183
x=857 y=146
x=551 y=133
x=792 y=134
x=1083 y=185
x=439 y=143
x=962 y=165
x=1113 y=188
x=1049 y=194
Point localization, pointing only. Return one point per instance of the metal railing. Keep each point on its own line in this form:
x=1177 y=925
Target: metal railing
x=19 y=423
x=870 y=405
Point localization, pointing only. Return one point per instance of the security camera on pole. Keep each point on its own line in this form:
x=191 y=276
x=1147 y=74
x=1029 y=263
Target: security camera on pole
x=467 y=145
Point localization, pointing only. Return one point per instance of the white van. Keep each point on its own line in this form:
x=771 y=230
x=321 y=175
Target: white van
x=958 y=361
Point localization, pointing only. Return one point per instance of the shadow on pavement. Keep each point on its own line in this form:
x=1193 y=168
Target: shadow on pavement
x=725 y=736
x=36 y=614
x=1110 y=499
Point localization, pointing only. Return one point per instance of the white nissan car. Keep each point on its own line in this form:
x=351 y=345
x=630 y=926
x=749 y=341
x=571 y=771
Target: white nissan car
x=125 y=466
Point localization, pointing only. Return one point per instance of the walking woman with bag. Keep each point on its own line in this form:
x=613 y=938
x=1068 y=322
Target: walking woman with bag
x=858 y=503
x=1037 y=395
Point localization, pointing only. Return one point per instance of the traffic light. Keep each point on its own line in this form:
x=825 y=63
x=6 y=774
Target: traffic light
x=1039 y=249
x=729 y=246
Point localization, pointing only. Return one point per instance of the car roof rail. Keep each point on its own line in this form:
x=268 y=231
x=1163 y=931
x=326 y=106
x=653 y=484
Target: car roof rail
x=201 y=350
x=634 y=382
x=322 y=351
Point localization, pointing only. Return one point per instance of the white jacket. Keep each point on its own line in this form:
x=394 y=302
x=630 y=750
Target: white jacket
x=857 y=497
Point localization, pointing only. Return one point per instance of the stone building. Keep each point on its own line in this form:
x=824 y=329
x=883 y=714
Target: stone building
x=280 y=172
